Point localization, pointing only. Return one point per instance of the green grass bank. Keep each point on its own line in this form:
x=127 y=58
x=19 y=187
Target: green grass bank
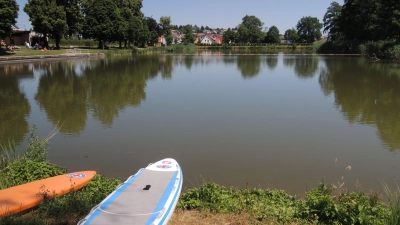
x=209 y=202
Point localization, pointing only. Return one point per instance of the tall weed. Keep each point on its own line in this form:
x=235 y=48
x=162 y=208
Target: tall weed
x=19 y=167
x=394 y=204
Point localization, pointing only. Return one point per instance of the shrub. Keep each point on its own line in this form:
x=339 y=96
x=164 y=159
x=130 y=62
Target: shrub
x=381 y=49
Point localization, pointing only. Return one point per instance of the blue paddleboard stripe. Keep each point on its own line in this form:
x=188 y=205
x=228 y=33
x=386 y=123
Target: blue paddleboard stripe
x=163 y=199
x=173 y=200
x=112 y=197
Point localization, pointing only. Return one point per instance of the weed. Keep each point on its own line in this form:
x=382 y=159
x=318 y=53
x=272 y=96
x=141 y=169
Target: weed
x=394 y=204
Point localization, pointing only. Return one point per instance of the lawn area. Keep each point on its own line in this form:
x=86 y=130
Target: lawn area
x=23 y=51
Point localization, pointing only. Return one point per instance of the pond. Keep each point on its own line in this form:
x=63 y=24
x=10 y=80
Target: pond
x=270 y=121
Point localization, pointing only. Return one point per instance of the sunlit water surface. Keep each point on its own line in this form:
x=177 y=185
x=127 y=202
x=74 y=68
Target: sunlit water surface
x=269 y=121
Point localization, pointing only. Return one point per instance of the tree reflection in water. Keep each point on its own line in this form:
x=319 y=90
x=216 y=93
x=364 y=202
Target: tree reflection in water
x=14 y=105
x=366 y=93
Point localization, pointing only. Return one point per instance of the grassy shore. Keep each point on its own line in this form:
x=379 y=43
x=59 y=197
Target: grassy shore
x=209 y=203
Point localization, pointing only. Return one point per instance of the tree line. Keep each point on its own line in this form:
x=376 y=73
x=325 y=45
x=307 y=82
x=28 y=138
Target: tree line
x=122 y=21
x=251 y=30
x=355 y=20
x=102 y=20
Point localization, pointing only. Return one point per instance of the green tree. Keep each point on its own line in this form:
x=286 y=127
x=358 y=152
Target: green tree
x=166 y=27
x=359 y=20
x=8 y=17
x=291 y=34
x=189 y=36
x=309 y=29
x=330 y=20
x=229 y=36
x=273 y=35
x=74 y=16
x=103 y=21
x=250 y=30
x=143 y=33
x=47 y=17
x=129 y=9
x=390 y=18
x=196 y=28
x=153 y=30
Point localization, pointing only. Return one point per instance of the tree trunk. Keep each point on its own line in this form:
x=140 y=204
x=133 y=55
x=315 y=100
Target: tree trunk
x=101 y=44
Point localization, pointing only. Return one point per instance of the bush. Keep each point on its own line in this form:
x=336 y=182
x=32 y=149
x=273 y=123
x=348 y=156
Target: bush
x=338 y=47
x=381 y=49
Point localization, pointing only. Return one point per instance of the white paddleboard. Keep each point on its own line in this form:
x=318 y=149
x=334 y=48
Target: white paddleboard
x=148 y=197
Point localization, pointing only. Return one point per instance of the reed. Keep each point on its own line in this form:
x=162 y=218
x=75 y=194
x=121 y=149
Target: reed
x=394 y=204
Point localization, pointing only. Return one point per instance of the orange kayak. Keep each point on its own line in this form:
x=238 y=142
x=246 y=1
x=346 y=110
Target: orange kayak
x=25 y=196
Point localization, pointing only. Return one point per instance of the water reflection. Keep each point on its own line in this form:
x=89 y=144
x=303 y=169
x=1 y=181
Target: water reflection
x=249 y=66
x=306 y=66
x=68 y=91
x=272 y=62
x=104 y=88
x=14 y=106
x=61 y=93
x=366 y=93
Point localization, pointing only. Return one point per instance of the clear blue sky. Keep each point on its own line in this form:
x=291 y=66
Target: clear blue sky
x=283 y=14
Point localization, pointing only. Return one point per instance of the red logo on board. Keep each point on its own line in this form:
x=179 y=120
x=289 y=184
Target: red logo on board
x=76 y=175
x=163 y=166
x=166 y=162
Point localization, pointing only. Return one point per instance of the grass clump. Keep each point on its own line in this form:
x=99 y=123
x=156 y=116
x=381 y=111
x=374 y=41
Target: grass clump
x=320 y=206
x=19 y=167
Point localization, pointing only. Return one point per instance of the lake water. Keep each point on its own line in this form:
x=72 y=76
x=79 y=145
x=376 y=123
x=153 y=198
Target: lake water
x=270 y=121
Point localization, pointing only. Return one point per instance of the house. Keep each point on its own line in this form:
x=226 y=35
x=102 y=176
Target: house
x=207 y=39
x=177 y=37
x=218 y=39
x=18 y=37
x=161 y=42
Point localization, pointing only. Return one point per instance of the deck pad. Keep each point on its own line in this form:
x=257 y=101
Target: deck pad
x=148 y=197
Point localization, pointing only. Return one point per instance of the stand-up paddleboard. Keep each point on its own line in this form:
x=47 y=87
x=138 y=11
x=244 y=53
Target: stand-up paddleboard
x=26 y=196
x=148 y=197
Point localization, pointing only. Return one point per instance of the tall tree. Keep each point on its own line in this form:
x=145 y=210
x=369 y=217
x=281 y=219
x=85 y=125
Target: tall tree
x=273 y=35
x=229 y=36
x=153 y=28
x=309 y=29
x=166 y=27
x=74 y=16
x=128 y=10
x=291 y=34
x=250 y=30
x=8 y=17
x=330 y=20
x=359 y=20
x=103 y=21
x=189 y=37
x=47 y=17
x=390 y=18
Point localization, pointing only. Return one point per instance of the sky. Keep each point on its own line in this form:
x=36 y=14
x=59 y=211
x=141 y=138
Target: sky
x=284 y=14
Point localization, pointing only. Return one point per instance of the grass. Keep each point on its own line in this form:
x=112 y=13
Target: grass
x=209 y=203
x=23 y=51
